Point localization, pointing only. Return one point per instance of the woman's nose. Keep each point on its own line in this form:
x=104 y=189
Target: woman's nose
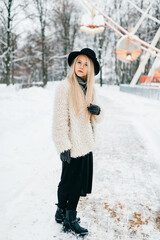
x=81 y=65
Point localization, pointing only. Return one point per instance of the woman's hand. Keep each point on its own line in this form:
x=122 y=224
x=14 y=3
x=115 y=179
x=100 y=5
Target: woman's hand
x=65 y=156
x=94 y=109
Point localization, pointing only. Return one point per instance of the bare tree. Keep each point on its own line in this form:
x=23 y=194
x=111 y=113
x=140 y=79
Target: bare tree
x=9 y=10
x=66 y=24
x=6 y=21
x=31 y=64
x=41 y=6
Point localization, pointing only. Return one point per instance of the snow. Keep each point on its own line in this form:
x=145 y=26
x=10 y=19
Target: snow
x=124 y=203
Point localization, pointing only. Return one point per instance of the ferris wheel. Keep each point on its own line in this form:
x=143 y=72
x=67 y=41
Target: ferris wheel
x=130 y=46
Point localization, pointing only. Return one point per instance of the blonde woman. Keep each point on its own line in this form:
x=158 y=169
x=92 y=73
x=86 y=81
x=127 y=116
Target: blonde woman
x=75 y=116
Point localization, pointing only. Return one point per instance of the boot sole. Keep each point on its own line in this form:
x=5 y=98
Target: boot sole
x=69 y=230
x=59 y=220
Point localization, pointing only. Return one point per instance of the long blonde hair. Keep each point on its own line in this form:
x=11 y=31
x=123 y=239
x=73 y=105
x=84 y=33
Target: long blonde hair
x=76 y=92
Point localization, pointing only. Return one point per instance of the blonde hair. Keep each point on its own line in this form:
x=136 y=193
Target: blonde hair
x=76 y=92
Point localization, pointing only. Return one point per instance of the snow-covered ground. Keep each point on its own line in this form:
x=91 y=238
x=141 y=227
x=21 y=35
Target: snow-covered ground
x=125 y=202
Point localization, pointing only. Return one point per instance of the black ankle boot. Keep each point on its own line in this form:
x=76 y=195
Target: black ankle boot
x=60 y=215
x=71 y=223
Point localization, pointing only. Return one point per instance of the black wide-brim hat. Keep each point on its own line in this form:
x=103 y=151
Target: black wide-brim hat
x=89 y=53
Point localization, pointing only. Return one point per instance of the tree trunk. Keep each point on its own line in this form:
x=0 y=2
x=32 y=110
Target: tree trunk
x=44 y=66
x=8 y=55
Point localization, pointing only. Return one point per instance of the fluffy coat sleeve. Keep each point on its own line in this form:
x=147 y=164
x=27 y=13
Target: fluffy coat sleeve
x=98 y=118
x=60 y=127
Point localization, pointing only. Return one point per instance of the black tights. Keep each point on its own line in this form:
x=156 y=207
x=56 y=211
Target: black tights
x=70 y=202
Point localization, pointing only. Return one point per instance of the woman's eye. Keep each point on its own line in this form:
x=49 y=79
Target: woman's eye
x=79 y=62
x=86 y=64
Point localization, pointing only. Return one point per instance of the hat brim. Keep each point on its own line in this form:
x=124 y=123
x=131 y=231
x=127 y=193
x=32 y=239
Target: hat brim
x=73 y=55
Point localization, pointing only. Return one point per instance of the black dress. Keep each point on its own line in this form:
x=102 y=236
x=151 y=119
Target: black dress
x=76 y=177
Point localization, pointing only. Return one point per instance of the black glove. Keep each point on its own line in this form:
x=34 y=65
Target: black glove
x=65 y=156
x=94 y=109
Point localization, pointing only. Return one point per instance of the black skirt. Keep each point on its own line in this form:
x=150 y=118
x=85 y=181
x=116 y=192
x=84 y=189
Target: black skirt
x=76 y=177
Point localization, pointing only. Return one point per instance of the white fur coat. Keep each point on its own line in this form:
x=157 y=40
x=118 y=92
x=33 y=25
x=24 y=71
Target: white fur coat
x=69 y=131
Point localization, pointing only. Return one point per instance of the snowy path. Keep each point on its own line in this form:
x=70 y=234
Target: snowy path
x=126 y=190
x=126 y=196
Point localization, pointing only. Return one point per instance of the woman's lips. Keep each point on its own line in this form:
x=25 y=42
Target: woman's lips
x=80 y=71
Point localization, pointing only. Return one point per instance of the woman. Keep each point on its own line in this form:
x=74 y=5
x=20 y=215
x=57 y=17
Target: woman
x=75 y=116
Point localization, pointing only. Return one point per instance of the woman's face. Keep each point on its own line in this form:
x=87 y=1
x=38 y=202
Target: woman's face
x=81 y=67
